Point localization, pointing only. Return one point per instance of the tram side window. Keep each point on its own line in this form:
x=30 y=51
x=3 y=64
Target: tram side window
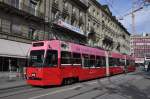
x=122 y=62
x=65 y=57
x=118 y=63
x=111 y=61
x=100 y=61
x=51 y=58
x=92 y=61
x=128 y=62
x=76 y=58
x=132 y=62
x=103 y=61
x=85 y=61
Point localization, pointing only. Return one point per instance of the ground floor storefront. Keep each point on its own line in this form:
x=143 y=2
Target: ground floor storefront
x=13 y=55
x=12 y=64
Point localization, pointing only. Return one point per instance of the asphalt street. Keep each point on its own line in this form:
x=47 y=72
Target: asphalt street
x=125 y=86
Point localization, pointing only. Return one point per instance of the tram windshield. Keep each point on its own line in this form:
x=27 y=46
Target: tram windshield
x=51 y=58
x=36 y=58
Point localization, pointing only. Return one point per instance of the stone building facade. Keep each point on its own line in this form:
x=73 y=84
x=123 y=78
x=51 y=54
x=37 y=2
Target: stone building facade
x=109 y=33
x=80 y=21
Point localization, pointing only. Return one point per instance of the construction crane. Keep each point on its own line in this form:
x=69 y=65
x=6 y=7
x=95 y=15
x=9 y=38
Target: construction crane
x=134 y=10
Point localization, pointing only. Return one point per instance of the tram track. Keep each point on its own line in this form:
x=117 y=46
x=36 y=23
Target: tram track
x=18 y=90
x=28 y=89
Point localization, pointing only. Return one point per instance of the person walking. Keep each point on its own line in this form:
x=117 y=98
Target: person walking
x=148 y=68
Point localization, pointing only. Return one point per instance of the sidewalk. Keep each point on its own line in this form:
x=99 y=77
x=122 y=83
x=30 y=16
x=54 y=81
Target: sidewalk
x=11 y=80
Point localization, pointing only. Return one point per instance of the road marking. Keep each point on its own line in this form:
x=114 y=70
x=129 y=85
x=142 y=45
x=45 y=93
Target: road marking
x=91 y=83
x=55 y=92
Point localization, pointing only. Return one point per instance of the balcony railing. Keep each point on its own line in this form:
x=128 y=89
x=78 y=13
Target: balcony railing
x=83 y=3
x=65 y=11
x=55 y=5
x=10 y=3
x=7 y=30
x=32 y=11
x=18 y=7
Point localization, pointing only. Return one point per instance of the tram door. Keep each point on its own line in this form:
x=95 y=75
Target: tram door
x=85 y=71
x=68 y=69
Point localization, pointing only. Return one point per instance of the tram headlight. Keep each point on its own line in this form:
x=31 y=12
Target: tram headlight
x=33 y=74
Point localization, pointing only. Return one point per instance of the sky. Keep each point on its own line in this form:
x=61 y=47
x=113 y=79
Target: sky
x=120 y=8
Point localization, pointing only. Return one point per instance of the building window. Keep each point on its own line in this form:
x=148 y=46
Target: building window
x=103 y=25
x=88 y=27
x=98 y=14
x=15 y=3
x=0 y=24
x=31 y=33
x=66 y=19
x=6 y=26
x=102 y=15
x=81 y=20
x=55 y=1
x=73 y=10
x=73 y=17
x=94 y=24
x=66 y=5
x=32 y=8
x=89 y=10
x=94 y=12
x=16 y=29
x=24 y=30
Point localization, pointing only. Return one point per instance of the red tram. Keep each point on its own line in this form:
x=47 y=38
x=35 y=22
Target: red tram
x=130 y=63
x=58 y=62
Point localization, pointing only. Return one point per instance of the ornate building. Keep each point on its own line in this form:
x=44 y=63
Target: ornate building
x=107 y=32
x=80 y=21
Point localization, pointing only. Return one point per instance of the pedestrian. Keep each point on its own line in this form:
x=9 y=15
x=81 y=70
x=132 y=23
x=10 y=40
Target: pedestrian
x=148 y=68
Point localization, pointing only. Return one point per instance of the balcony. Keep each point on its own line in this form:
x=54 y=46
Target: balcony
x=21 y=9
x=81 y=22
x=7 y=33
x=32 y=11
x=82 y=3
x=108 y=41
x=55 y=6
x=74 y=17
x=9 y=3
x=65 y=11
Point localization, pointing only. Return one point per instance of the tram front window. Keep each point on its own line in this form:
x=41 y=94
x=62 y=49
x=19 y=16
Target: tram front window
x=36 y=58
x=51 y=58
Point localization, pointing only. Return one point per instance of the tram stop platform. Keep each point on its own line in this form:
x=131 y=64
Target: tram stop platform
x=11 y=80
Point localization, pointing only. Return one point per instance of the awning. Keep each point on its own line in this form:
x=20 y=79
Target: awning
x=14 y=49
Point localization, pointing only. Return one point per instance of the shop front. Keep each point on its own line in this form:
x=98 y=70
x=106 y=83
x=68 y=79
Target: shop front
x=13 y=55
